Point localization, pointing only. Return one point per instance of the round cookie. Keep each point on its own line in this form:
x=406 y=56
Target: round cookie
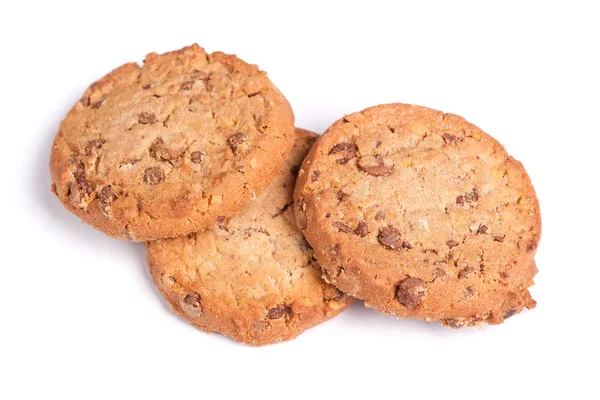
x=253 y=277
x=167 y=148
x=422 y=215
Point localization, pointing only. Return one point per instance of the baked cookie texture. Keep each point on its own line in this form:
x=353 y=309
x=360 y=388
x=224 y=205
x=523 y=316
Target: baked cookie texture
x=422 y=215
x=170 y=147
x=253 y=277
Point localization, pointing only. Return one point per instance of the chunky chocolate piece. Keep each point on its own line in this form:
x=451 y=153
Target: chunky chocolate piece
x=451 y=243
x=411 y=292
x=448 y=138
x=390 y=238
x=91 y=145
x=362 y=229
x=154 y=176
x=341 y=227
x=160 y=151
x=468 y=198
x=315 y=176
x=192 y=300
x=196 y=157
x=466 y=272
x=235 y=140
x=279 y=311
x=147 y=118
x=374 y=165
x=348 y=151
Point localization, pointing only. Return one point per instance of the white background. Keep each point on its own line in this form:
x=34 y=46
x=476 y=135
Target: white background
x=79 y=317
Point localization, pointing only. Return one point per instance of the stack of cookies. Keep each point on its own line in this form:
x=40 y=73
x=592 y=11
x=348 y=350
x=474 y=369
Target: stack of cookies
x=259 y=230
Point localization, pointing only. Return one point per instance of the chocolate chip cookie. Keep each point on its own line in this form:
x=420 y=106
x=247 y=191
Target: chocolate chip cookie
x=253 y=277
x=422 y=215
x=170 y=147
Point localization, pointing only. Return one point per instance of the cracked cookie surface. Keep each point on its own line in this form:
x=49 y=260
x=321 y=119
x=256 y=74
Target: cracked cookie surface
x=422 y=215
x=253 y=277
x=167 y=148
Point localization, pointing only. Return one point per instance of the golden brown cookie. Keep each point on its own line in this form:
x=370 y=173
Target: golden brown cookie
x=253 y=277
x=422 y=215
x=167 y=148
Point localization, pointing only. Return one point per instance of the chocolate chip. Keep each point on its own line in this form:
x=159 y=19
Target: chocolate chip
x=439 y=273
x=107 y=196
x=499 y=239
x=235 y=140
x=341 y=227
x=147 y=118
x=301 y=213
x=80 y=194
x=281 y=310
x=448 y=138
x=434 y=251
x=451 y=243
x=341 y=196
x=107 y=191
x=336 y=248
x=93 y=144
x=85 y=100
x=78 y=170
x=374 y=165
x=362 y=229
x=346 y=120
x=349 y=150
x=154 y=175
x=160 y=151
x=377 y=143
x=192 y=300
x=196 y=157
x=504 y=274
x=452 y=323
x=380 y=215
x=314 y=177
x=390 y=238
x=187 y=85
x=466 y=272
x=221 y=219
x=411 y=292
x=531 y=246
x=147 y=86
x=468 y=198
x=469 y=291
x=97 y=104
x=482 y=229
x=509 y=313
